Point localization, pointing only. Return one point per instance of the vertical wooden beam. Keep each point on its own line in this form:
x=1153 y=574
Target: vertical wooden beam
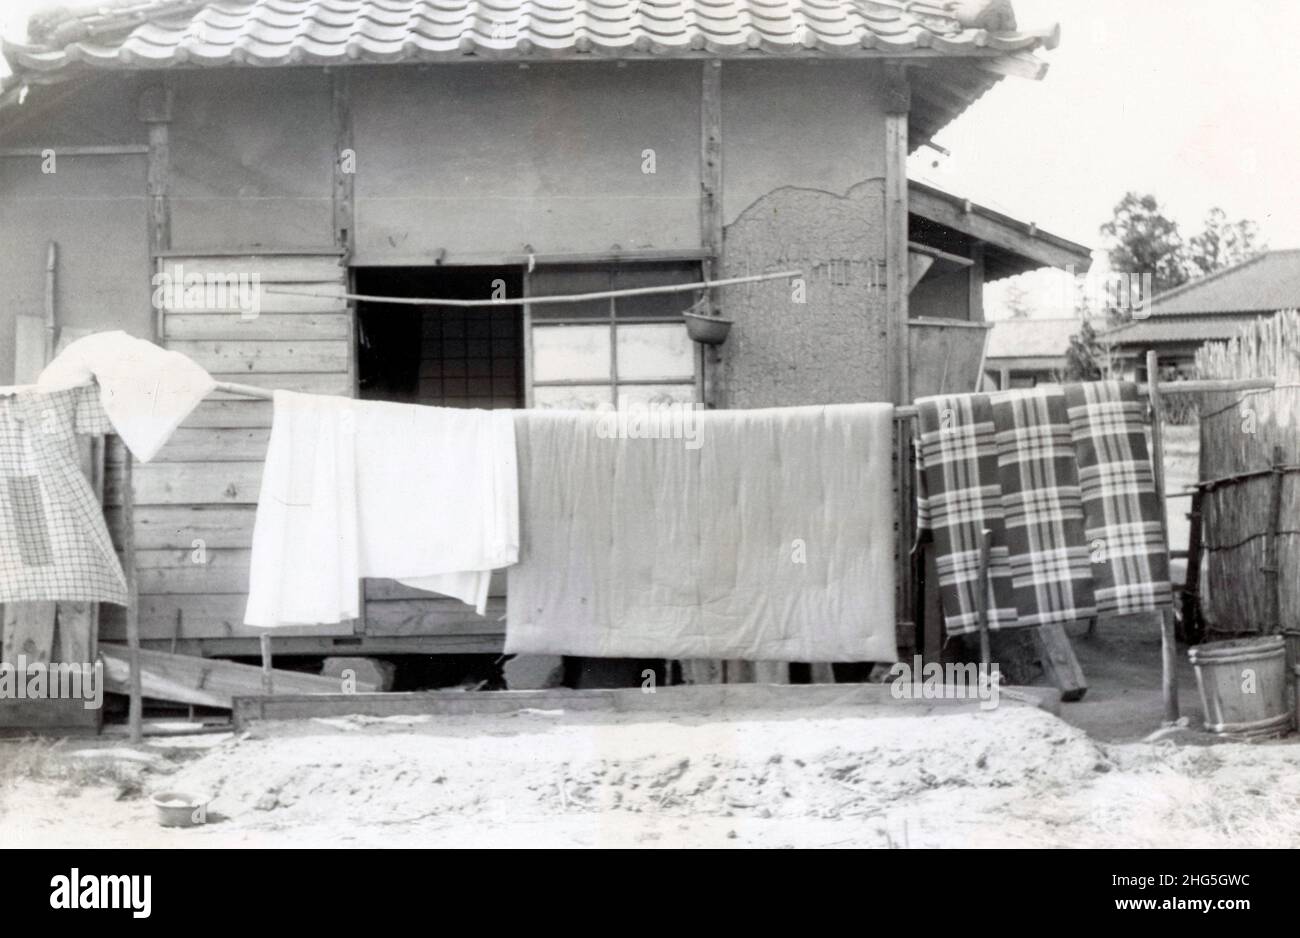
x=898 y=102
x=268 y=680
x=976 y=274
x=1168 y=645
x=344 y=162
x=135 y=710
x=51 y=283
x=898 y=99
x=155 y=109
x=711 y=236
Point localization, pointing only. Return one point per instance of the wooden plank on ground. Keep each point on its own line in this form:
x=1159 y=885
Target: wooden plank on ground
x=208 y=682
x=865 y=700
x=1058 y=658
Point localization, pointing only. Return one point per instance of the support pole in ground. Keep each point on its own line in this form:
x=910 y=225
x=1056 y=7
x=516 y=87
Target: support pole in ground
x=135 y=710
x=982 y=602
x=268 y=685
x=1168 y=644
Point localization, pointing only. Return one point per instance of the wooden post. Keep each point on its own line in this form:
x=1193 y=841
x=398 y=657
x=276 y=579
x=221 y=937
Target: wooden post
x=898 y=101
x=268 y=684
x=135 y=711
x=711 y=236
x=1168 y=642
x=1272 y=565
x=344 y=162
x=982 y=598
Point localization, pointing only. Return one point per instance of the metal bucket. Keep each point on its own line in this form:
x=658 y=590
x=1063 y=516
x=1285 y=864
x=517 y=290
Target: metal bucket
x=1243 y=683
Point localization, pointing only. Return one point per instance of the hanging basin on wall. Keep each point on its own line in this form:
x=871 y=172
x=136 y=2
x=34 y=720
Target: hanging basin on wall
x=707 y=330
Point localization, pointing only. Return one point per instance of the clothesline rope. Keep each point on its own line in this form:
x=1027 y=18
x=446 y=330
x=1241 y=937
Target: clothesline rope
x=538 y=300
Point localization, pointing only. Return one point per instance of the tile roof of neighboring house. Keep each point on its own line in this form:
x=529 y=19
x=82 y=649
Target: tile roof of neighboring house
x=1266 y=283
x=980 y=35
x=1031 y=338
x=1197 y=328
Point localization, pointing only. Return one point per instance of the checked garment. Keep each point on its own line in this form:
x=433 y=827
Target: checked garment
x=54 y=544
x=1062 y=479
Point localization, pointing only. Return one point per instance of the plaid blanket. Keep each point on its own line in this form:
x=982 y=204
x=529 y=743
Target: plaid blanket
x=1062 y=478
x=1050 y=576
x=1126 y=540
x=959 y=496
x=53 y=541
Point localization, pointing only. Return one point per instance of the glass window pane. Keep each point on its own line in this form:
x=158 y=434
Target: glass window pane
x=658 y=305
x=647 y=394
x=562 y=281
x=655 y=351
x=571 y=353
x=576 y=397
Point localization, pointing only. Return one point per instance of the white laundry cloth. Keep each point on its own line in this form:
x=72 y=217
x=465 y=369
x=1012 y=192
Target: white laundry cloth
x=146 y=390
x=424 y=495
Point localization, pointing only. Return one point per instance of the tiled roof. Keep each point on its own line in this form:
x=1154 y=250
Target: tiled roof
x=1031 y=338
x=1195 y=328
x=1265 y=283
x=168 y=33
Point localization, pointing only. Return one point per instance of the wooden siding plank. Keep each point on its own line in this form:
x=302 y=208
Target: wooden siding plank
x=191 y=483
x=173 y=526
x=390 y=589
x=284 y=268
x=223 y=570
x=230 y=413
x=432 y=617
x=199 y=616
x=233 y=327
x=240 y=357
x=325 y=298
x=231 y=444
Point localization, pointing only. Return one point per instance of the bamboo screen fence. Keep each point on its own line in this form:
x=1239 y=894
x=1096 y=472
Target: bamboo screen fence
x=1250 y=479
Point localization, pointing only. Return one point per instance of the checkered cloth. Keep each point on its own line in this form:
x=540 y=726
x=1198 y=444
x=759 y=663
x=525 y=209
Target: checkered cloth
x=1050 y=574
x=1126 y=539
x=54 y=544
x=1062 y=478
x=959 y=495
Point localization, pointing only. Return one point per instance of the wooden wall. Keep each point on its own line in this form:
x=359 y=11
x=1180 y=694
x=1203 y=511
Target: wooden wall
x=196 y=501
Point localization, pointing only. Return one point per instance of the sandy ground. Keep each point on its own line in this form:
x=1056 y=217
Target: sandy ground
x=1010 y=777
x=1014 y=776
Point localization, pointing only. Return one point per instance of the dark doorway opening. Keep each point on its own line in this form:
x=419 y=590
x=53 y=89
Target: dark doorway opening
x=446 y=356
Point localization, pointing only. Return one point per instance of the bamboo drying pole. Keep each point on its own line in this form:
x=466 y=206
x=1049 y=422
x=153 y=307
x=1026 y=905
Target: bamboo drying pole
x=539 y=300
x=1168 y=647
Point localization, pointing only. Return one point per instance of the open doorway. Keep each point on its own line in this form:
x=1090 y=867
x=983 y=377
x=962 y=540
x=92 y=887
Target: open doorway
x=446 y=356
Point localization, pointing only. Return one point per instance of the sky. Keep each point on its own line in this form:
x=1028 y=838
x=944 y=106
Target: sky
x=1193 y=101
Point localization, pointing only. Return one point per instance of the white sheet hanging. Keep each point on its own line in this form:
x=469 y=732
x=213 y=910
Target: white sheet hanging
x=146 y=390
x=351 y=489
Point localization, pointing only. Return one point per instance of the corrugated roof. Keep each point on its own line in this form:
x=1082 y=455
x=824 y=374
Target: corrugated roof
x=1266 y=283
x=1189 y=328
x=1031 y=338
x=170 y=33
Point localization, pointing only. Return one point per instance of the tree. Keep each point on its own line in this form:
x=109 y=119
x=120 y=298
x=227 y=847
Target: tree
x=1223 y=243
x=1089 y=357
x=1016 y=300
x=1144 y=240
